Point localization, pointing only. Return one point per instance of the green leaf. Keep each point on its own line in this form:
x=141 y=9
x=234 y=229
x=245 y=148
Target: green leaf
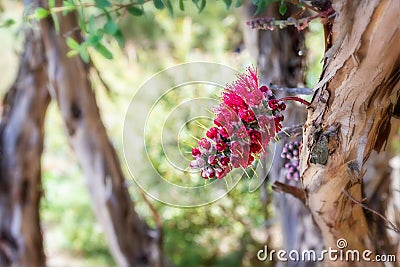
x=52 y=3
x=239 y=3
x=119 y=37
x=102 y=3
x=94 y=38
x=168 y=4
x=68 y=7
x=41 y=13
x=111 y=27
x=74 y=45
x=83 y=24
x=84 y=55
x=202 y=5
x=104 y=51
x=260 y=6
x=135 y=11
x=72 y=53
x=181 y=6
x=158 y=4
x=228 y=3
x=91 y=24
x=7 y=23
x=55 y=22
x=283 y=8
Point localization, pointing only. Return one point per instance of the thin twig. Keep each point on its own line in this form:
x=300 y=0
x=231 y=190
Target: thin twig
x=269 y=23
x=294 y=90
x=295 y=98
x=392 y=225
x=296 y=192
x=156 y=216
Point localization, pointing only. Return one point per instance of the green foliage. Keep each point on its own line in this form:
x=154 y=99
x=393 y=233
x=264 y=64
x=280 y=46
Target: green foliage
x=135 y=11
x=283 y=8
x=95 y=11
x=7 y=23
x=41 y=13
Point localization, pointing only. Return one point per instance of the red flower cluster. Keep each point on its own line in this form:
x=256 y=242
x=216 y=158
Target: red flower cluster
x=246 y=121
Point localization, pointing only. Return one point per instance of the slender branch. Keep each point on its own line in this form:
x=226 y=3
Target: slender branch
x=392 y=225
x=156 y=216
x=295 y=90
x=296 y=192
x=290 y=131
x=295 y=98
x=269 y=23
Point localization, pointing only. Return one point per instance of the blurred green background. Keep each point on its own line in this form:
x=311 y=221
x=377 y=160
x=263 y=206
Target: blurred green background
x=226 y=233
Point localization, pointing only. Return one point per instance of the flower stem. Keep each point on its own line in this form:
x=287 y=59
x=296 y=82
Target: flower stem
x=295 y=98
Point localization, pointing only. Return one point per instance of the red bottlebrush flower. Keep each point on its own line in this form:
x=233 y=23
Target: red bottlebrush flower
x=223 y=132
x=264 y=89
x=281 y=105
x=225 y=161
x=250 y=160
x=247 y=115
x=195 y=152
x=273 y=104
x=212 y=160
x=280 y=117
x=255 y=147
x=255 y=135
x=220 y=146
x=204 y=143
x=246 y=121
x=216 y=122
x=212 y=133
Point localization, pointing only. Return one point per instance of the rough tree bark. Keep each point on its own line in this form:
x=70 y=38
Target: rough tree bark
x=350 y=116
x=130 y=240
x=21 y=145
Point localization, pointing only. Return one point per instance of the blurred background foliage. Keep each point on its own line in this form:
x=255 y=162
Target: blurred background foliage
x=226 y=233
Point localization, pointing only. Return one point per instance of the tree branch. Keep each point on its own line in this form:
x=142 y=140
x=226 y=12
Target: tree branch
x=296 y=192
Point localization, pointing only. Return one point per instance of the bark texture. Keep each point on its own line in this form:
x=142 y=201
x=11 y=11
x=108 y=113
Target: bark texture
x=350 y=116
x=130 y=240
x=21 y=146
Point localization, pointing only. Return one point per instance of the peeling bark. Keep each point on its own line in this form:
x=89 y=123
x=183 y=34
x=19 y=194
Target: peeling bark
x=350 y=116
x=21 y=146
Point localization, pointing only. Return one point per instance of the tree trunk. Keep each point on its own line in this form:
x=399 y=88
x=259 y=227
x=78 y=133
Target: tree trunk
x=21 y=145
x=350 y=116
x=131 y=242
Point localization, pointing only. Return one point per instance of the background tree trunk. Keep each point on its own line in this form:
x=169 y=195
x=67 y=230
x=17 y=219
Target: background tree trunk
x=21 y=146
x=350 y=116
x=130 y=240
